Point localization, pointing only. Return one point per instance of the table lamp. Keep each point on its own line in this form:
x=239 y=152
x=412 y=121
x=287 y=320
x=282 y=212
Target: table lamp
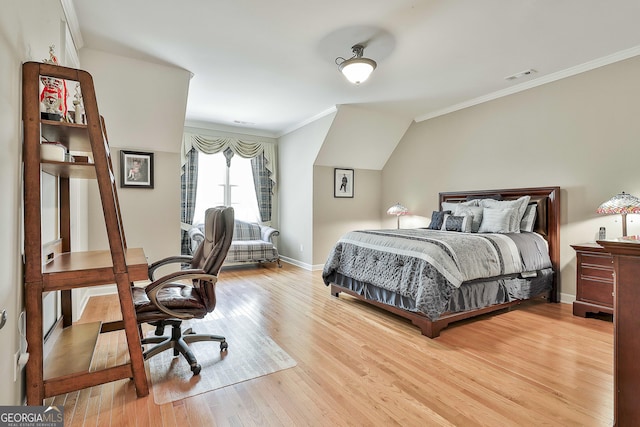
x=397 y=210
x=622 y=204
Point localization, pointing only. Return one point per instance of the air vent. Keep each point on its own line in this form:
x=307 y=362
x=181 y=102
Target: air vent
x=521 y=74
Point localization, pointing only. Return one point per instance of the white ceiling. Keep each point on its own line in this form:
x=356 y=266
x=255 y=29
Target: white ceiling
x=269 y=65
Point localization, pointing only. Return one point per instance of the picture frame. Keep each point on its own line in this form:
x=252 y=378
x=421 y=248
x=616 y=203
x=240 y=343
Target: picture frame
x=136 y=169
x=343 y=183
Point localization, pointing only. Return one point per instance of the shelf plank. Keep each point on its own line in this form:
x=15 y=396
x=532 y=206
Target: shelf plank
x=77 y=342
x=91 y=268
x=69 y=169
x=72 y=135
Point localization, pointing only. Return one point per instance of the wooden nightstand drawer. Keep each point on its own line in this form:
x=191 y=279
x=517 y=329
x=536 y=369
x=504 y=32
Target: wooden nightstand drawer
x=590 y=271
x=594 y=280
x=597 y=260
x=597 y=292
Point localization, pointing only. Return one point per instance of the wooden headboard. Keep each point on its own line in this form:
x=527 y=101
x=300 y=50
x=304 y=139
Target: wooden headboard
x=547 y=217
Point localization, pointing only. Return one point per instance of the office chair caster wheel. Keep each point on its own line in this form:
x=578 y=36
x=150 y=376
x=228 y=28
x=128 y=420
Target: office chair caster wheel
x=196 y=368
x=223 y=346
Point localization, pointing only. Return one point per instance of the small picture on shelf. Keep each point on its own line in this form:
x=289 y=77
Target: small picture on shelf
x=136 y=169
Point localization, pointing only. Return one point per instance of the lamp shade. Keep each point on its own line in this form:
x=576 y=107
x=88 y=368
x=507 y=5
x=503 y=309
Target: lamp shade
x=622 y=204
x=357 y=70
x=397 y=209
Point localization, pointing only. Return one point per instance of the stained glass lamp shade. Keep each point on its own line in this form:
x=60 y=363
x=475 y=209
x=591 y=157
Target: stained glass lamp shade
x=622 y=204
x=397 y=210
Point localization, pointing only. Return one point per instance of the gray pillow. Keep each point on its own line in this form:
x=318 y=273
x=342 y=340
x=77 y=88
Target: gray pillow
x=529 y=218
x=457 y=223
x=473 y=211
x=437 y=217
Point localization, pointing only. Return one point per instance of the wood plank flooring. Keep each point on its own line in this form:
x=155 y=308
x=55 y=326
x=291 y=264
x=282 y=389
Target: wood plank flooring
x=358 y=365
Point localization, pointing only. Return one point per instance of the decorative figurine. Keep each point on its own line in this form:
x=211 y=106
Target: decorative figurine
x=54 y=94
x=78 y=107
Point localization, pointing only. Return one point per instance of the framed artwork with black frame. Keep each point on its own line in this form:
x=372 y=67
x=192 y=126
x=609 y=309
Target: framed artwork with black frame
x=136 y=169
x=342 y=182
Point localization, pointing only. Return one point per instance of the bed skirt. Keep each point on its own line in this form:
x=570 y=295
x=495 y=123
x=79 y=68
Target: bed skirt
x=469 y=296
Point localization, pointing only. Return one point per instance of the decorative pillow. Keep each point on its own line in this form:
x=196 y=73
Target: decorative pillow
x=473 y=211
x=449 y=206
x=437 y=217
x=496 y=220
x=519 y=204
x=457 y=223
x=529 y=218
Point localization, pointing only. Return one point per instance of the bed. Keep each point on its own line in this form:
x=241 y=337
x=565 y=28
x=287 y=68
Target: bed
x=434 y=277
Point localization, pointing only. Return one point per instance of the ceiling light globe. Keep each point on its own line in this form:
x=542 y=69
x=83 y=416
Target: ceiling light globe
x=357 y=70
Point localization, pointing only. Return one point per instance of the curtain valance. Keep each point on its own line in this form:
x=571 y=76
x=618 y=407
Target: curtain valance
x=244 y=148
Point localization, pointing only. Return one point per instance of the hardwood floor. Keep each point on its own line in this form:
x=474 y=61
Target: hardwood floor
x=357 y=365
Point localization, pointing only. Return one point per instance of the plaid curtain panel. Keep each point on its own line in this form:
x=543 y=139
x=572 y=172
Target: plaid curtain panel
x=263 y=185
x=188 y=186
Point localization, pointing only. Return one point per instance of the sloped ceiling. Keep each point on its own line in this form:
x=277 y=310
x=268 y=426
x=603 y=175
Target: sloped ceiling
x=361 y=138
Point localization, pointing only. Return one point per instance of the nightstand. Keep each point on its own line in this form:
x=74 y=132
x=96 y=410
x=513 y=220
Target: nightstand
x=594 y=287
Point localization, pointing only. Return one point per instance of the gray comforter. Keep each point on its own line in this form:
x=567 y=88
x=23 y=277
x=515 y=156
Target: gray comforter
x=427 y=265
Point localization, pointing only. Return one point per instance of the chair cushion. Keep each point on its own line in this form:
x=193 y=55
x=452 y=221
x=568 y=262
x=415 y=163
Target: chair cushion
x=173 y=296
x=246 y=231
x=251 y=250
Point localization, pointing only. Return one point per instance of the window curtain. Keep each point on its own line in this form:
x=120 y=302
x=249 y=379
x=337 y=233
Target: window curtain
x=263 y=185
x=188 y=186
x=264 y=172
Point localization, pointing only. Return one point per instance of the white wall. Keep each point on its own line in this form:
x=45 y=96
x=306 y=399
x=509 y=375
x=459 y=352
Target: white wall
x=581 y=133
x=296 y=153
x=144 y=107
x=27 y=28
x=332 y=217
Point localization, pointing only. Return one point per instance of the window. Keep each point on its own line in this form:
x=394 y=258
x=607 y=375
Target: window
x=228 y=186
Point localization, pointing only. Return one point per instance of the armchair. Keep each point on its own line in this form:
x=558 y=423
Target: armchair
x=252 y=242
x=166 y=302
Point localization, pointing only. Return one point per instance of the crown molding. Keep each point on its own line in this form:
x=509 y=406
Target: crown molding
x=72 y=21
x=578 y=69
x=312 y=119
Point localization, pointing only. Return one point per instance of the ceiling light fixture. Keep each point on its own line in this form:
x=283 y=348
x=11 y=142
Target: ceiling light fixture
x=356 y=69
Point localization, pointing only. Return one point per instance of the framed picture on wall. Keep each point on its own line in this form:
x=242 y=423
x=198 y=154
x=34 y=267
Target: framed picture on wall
x=342 y=182
x=136 y=169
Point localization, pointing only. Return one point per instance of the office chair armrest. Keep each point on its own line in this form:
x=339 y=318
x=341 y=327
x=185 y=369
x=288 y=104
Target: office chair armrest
x=157 y=285
x=169 y=260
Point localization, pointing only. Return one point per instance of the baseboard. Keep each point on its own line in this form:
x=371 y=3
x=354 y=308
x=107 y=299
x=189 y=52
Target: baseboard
x=567 y=298
x=301 y=264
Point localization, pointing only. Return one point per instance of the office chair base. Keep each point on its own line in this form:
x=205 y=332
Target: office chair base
x=179 y=341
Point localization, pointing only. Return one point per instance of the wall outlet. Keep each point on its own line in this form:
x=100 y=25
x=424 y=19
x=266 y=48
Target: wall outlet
x=301 y=248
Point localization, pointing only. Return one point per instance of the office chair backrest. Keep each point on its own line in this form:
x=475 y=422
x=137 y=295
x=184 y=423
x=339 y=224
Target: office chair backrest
x=218 y=233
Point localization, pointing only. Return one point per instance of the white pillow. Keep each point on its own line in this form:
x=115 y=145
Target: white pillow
x=473 y=211
x=519 y=204
x=449 y=206
x=496 y=220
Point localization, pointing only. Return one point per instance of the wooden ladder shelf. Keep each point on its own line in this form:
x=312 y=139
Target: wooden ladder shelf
x=67 y=368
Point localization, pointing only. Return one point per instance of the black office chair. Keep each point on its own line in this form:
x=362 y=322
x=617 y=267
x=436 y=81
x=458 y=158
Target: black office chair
x=166 y=302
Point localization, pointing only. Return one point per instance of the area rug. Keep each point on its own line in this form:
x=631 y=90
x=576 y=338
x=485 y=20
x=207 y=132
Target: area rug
x=251 y=354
